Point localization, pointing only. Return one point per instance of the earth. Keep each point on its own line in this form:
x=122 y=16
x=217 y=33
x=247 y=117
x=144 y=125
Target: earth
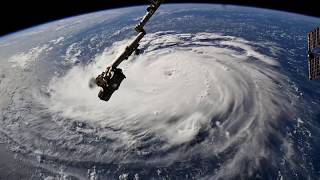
x=218 y=92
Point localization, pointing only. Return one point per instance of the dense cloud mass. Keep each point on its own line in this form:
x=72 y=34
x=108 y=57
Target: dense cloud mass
x=188 y=98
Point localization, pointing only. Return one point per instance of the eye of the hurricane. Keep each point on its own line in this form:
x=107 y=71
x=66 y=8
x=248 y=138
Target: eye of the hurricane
x=204 y=91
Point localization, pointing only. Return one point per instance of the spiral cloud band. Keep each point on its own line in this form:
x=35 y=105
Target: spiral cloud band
x=187 y=97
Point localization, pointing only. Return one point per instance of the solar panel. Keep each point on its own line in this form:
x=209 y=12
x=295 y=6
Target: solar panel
x=314 y=39
x=313 y=55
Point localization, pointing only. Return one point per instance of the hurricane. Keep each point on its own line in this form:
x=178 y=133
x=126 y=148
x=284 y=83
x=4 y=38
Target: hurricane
x=193 y=105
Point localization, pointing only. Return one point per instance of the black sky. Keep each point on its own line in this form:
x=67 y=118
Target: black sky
x=20 y=14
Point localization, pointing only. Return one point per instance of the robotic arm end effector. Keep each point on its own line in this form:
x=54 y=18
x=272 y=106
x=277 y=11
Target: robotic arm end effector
x=109 y=82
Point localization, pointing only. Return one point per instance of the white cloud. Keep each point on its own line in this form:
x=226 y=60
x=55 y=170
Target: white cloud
x=184 y=88
x=24 y=59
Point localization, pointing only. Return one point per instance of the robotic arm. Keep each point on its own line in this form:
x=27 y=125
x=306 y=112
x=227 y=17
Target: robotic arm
x=155 y=4
x=111 y=78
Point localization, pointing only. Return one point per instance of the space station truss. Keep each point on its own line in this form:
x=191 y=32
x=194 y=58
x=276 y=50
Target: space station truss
x=313 y=54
